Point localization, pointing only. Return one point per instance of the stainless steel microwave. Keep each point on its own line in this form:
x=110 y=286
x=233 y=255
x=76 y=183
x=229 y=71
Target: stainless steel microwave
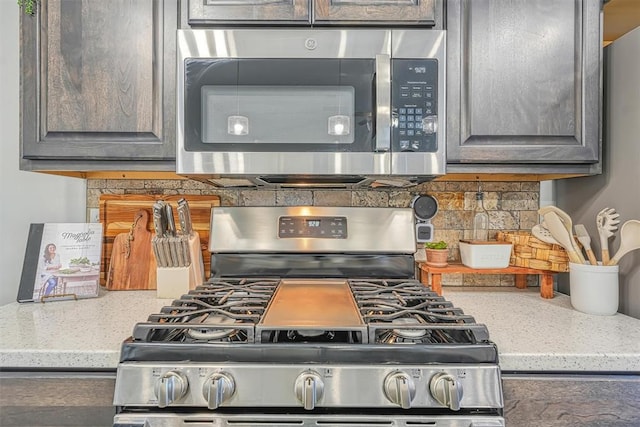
x=311 y=106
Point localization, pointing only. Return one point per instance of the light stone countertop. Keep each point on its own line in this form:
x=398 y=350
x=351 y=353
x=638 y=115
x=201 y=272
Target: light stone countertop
x=86 y=333
x=536 y=334
x=532 y=334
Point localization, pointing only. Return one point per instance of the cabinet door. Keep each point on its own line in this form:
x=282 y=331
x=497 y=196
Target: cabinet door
x=401 y=12
x=249 y=11
x=45 y=399
x=524 y=81
x=98 y=80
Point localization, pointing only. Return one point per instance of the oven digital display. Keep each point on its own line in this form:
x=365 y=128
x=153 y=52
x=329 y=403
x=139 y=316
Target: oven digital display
x=317 y=227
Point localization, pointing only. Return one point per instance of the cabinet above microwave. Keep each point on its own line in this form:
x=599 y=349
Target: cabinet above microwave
x=426 y=13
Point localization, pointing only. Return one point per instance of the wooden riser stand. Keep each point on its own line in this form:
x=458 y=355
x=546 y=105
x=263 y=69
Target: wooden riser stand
x=433 y=276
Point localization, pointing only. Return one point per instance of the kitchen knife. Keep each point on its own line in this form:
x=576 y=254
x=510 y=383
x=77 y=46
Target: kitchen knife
x=158 y=251
x=171 y=224
x=185 y=249
x=184 y=215
x=176 y=245
x=159 y=223
x=166 y=251
x=175 y=258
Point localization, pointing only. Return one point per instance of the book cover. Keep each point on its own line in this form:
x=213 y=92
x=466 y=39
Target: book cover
x=62 y=261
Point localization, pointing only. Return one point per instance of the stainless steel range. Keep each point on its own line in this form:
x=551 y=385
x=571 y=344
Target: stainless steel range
x=313 y=318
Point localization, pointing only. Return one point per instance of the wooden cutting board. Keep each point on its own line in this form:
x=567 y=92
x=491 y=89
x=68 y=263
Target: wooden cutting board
x=118 y=211
x=132 y=265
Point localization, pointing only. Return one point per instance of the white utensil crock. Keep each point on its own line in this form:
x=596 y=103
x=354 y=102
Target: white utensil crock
x=594 y=288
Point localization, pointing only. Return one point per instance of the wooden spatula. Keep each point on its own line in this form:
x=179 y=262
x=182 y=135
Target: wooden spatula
x=585 y=240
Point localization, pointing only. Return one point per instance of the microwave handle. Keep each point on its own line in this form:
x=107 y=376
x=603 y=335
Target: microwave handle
x=383 y=103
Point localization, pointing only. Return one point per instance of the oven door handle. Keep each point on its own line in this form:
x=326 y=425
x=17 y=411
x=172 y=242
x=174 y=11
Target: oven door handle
x=383 y=103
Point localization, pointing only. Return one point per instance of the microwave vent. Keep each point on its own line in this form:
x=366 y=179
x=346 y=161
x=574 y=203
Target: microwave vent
x=313 y=181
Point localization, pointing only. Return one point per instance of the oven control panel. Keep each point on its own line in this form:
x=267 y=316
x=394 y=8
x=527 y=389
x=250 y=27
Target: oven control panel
x=414 y=101
x=214 y=385
x=317 y=227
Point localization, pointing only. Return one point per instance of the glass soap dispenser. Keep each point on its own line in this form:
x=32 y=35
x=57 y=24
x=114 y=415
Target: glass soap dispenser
x=480 y=220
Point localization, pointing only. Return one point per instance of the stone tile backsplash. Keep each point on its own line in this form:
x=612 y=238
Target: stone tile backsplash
x=510 y=205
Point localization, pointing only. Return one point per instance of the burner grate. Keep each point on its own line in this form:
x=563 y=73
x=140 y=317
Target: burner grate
x=392 y=311
x=405 y=311
x=219 y=311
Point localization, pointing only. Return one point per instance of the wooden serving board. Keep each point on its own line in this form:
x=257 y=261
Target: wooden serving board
x=132 y=265
x=118 y=211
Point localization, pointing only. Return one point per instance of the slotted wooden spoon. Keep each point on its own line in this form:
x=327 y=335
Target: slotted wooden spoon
x=539 y=231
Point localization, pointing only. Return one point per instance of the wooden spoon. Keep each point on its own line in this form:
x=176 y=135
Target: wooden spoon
x=560 y=233
x=568 y=225
x=629 y=240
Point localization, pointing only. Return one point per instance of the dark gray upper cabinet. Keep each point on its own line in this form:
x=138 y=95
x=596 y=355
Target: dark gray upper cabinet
x=320 y=12
x=97 y=81
x=249 y=11
x=524 y=81
x=401 y=12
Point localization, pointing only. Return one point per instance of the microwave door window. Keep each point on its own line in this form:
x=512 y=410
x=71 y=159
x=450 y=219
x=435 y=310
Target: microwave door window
x=278 y=114
x=239 y=104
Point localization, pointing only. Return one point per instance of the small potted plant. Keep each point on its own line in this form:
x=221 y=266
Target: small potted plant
x=437 y=253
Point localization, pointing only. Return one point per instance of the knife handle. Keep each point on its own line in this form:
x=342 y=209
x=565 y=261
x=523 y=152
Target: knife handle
x=158 y=252
x=171 y=224
x=158 y=218
x=184 y=215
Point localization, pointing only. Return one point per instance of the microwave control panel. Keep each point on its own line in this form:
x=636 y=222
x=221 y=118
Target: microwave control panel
x=414 y=102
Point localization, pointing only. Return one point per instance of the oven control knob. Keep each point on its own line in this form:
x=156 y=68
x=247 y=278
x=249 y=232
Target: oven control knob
x=170 y=387
x=309 y=389
x=447 y=390
x=217 y=389
x=400 y=389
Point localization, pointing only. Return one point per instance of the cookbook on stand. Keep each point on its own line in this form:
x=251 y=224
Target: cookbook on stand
x=61 y=262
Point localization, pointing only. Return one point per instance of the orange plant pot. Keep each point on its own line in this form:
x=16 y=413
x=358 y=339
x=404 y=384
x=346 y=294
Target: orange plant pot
x=437 y=257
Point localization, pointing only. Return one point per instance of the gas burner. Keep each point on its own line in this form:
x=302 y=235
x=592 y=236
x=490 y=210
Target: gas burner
x=408 y=333
x=424 y=335
x=205 y=314
x=404 y=293
x=422 y=314
x=256 y=287
x=211 y=333
x=402 y=287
